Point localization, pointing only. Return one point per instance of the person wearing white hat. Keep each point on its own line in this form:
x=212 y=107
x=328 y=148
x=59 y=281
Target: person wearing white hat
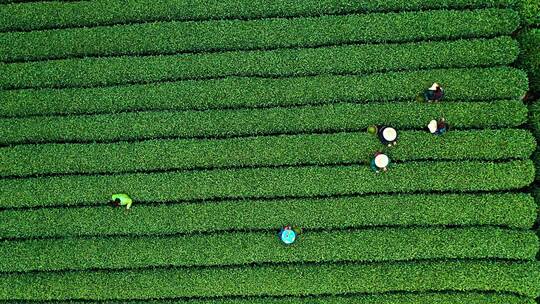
x=379 y=162
x=387 y=136
x=438 y=127
x=434 y=93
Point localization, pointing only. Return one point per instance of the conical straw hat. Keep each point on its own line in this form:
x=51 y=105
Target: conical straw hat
x=381 y=160
x=434 y=86
x=432 y=126
x=390 y=134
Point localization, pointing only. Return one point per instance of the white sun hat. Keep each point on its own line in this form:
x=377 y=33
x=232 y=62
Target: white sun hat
x=434 y=86
x=381 y=160
x=432 y=126
x=390 y=134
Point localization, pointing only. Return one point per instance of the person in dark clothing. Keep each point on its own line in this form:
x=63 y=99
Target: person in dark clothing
x=115 y=203
x=434 y=93
x=387 y=136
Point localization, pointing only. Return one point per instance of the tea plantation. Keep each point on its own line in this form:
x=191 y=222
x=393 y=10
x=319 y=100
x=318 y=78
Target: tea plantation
x=226 y=120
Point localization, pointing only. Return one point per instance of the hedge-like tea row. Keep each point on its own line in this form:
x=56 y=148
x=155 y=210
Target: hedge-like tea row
x=534 y=118
x=534 y=123
x=513 y=210
x=242 y=122
x=241 y=248
x=352 y=59
x=234 y=92
x=521 y=278
x=316 y=149
x=267 y=183
x=530 y=12
x=530 y=56
x=32 y=1
x=382 y=298
x=175 y=37
x=47 y=15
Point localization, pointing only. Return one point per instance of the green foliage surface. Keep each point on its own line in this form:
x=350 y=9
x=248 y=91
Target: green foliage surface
x=240 y=92
x=60 y=14
x=529 y=59
x=268 y=182
x=350 y=59
x=226 y=120
x=262 y=247
x=530 y=12
x=522 y=278
x=243 y=122
x=317 y=149
x=513 y=210
x=222 y=35
x=382 y=298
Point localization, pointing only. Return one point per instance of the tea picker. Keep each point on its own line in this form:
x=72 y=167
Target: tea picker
x=438 y=127
x=288 y=235
x=379 y=162
x=434 y=93
x=387 y=135
x=121 y=199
